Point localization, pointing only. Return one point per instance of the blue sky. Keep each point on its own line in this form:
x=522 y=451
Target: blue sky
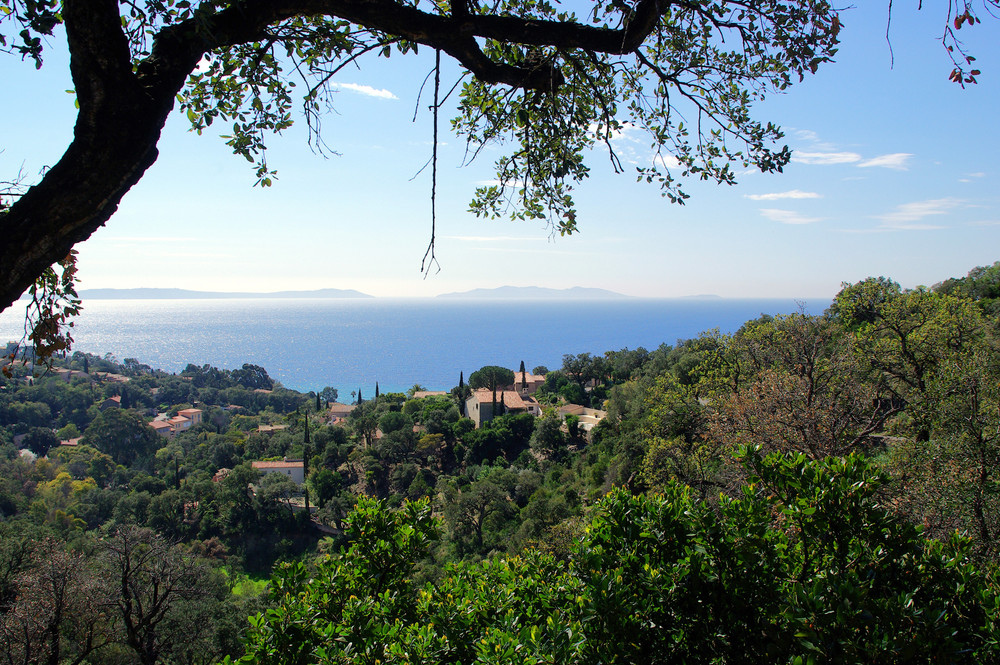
x=894 y=174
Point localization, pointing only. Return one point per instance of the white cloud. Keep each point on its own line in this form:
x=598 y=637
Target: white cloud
x=146 y=240
x=825 y=158
x=367 y=90
x=626 y=132
x=814 y=140
x=904 y=216
x=788 y=216
x=896 y=160
x=491 y=238
x=629 y=144
x=667 y=161
x=522 y=250
x=774 y=196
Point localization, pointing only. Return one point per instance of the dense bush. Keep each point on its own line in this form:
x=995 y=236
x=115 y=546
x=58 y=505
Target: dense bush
x=804 y=566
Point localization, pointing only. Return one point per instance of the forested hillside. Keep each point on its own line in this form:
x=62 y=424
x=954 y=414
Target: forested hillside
x=807 y=489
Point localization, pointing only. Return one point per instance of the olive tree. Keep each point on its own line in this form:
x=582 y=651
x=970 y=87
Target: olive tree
x=546 y=81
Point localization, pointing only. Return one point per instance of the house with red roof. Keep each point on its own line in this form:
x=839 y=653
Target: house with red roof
x=293 y=468
x=481 y=408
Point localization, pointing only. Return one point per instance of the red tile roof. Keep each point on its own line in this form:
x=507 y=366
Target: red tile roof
x=278 y=465
x=511 y=399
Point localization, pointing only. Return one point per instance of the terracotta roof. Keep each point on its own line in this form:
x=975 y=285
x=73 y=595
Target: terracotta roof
x=271 y=428
x=511 y=399
x=339 y=409
x=187 y=412
x=429 y=393
x=278 y=465
x=159 y=424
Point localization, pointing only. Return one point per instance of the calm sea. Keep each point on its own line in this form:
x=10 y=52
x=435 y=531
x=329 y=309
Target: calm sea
x=351 y=344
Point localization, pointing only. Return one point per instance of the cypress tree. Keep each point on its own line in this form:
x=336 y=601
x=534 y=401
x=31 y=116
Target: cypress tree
x=306 y=454
x=359 y=396
x=376 y=391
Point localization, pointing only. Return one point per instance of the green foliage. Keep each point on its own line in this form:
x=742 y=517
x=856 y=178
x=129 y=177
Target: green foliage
x=492 y=377
x=804 y=566
x=905 y=336
x=123 y=435
x=356 y=606
x=981 y=285
x=54 y=301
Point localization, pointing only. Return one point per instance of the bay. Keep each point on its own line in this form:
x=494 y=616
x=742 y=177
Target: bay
x=307 y=344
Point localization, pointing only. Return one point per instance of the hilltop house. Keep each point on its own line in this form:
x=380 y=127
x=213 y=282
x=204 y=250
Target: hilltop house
x=588 y=417
x=112 y=403
x=184 y=420
x=527 y=384
x=480 y=406
x=421 y=394
x=294 y=469
x=339 y=411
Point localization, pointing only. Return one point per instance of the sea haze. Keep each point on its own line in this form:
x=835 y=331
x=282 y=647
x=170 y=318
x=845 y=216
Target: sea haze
x=351 y=344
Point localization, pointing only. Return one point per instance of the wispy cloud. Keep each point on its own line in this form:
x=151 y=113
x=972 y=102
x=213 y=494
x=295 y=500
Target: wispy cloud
x=906 y=217
x=492 y=238
x=969 y=177
x=667 y=161
x=825 y=158
x=627 y=132
x=367 y=90
x=774 y=196
x=814 y=140
x=195 y=255
x=896 y=160
x=146 y=240
x=630 y=145
x=788 y=216
x=522 y=250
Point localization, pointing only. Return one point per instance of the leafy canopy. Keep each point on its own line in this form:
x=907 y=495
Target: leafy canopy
x=550 y=80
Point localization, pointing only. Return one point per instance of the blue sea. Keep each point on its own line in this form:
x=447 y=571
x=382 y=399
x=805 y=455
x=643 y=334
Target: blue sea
x=349 y=344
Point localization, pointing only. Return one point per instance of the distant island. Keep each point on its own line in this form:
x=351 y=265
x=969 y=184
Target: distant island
x=185 y=294
x=537 y=293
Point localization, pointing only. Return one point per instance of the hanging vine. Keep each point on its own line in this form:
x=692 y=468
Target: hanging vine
x=429 y=258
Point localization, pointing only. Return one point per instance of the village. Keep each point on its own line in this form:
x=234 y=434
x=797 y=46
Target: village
x=479 y=405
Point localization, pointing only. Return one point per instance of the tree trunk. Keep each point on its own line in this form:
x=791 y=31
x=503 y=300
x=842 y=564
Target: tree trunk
x=114 y=141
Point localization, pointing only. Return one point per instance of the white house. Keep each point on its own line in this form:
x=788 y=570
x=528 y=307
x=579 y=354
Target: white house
x=294 y=469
